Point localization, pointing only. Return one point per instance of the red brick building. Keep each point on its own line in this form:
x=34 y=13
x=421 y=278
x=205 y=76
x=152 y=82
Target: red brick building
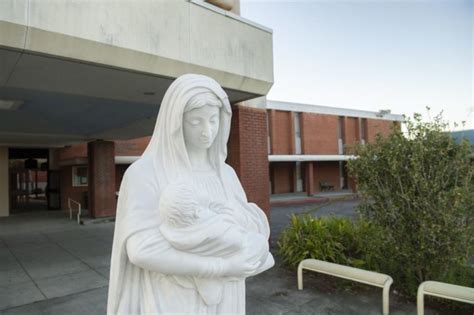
x=307 y=148
x=309 y=145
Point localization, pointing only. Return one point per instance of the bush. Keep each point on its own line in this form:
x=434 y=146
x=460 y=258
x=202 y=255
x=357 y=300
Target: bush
x=332 y=239
x=418 y=189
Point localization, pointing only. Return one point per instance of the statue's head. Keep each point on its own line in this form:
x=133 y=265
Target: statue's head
x=201 y=121
x=195 y=114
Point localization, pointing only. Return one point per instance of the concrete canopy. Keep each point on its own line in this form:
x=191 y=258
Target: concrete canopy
x=98 y=70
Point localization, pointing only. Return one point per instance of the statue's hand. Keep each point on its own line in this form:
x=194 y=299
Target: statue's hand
x=256 y=248
x=246 y=262
x=239 y=266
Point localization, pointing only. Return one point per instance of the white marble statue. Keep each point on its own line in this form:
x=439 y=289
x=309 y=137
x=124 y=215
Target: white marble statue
x=185 y=235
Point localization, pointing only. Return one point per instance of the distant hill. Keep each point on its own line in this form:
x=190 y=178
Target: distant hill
x=468 y=134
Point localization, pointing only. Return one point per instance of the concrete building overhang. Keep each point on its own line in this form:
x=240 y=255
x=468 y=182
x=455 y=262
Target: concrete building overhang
x=309 y=158
x=87 y=70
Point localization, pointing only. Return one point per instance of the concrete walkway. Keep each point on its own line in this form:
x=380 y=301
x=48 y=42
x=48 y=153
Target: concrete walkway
x=50 y=265
x=46 y=257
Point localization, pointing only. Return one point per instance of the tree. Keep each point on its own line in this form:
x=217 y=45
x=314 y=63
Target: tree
x=417 y=186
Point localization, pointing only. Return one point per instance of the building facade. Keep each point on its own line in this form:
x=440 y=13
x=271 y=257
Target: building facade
x=309 y=145
x=95 y=72
x=308 y=148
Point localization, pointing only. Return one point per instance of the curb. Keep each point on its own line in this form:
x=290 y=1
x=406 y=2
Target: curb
x=299 y=201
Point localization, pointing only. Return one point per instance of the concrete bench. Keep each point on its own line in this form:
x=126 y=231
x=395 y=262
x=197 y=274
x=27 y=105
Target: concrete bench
x=350 y=273
x=442 y=290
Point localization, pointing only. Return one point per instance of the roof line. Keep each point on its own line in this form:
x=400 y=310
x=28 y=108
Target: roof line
x=328 y=110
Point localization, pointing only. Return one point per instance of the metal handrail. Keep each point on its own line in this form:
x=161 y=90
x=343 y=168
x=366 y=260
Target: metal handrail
x=79 y=208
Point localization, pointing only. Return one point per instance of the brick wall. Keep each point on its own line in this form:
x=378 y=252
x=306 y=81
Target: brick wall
x=74 y=151
x=375 y=126
x=351 y=130
x=282 y=177
x=319 y=134
x=69 y=191
x=326 y=172
x=101 y=178
x=132 y=147
x=281 y=132
x=248 y=153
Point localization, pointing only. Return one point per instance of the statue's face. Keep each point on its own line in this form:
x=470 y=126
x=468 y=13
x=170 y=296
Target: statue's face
x=200 y=127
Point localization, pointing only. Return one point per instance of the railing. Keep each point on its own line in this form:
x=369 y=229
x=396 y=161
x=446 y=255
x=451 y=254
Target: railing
x=349 y=273
x=442 y=290
x=79 y=208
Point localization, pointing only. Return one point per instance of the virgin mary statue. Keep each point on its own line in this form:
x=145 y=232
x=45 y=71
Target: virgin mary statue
x=206 y=273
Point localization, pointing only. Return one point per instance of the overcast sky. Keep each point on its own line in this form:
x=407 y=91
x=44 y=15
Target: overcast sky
x=371 y=55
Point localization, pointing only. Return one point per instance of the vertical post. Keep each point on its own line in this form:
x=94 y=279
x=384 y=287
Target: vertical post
x=101 y=178
x=385 y=297
x=300 y=275
x=309 y=177
x=4 y=183
x=420 y=300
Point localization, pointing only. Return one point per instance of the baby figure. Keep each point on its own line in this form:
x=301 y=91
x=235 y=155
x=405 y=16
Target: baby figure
x=192 y=224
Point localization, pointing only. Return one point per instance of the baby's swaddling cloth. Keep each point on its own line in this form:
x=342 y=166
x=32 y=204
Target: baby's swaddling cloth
x=191 y=224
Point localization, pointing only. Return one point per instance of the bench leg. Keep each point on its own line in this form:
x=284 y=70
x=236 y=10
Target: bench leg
x=420 y=300
x=385 y=297
x=300 y=276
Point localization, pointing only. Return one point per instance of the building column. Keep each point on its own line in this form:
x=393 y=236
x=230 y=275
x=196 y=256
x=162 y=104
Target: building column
x=101 y=178
x=4 y=183
x=248 y=153
x=309 y=178
x=53 y=159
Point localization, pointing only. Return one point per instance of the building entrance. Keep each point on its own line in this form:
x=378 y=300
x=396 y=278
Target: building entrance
x=29 y=183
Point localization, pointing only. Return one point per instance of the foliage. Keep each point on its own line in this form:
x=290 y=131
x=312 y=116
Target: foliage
x=418 y=188
x=332 y=239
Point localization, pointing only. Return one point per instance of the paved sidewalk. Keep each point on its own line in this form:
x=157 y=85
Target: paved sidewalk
x=44 y=257
x=50 y=265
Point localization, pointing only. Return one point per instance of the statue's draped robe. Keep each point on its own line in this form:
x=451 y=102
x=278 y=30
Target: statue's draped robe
x=148 y=275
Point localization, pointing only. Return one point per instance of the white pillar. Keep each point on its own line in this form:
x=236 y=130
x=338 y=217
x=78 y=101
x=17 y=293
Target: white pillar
x=4 y=183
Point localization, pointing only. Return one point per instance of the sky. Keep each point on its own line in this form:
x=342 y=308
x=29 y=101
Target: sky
x=402 y=55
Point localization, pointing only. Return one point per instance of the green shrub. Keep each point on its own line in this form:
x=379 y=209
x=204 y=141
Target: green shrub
x=332 y=239
x=417 y=188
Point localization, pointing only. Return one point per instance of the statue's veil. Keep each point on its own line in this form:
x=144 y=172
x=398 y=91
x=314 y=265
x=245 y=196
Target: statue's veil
x=166 y=147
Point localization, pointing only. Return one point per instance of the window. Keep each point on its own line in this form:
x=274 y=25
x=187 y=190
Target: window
x=340 y=135
x=269 y=142
x=79 y=176
x=363 y=130
x=297 y=133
